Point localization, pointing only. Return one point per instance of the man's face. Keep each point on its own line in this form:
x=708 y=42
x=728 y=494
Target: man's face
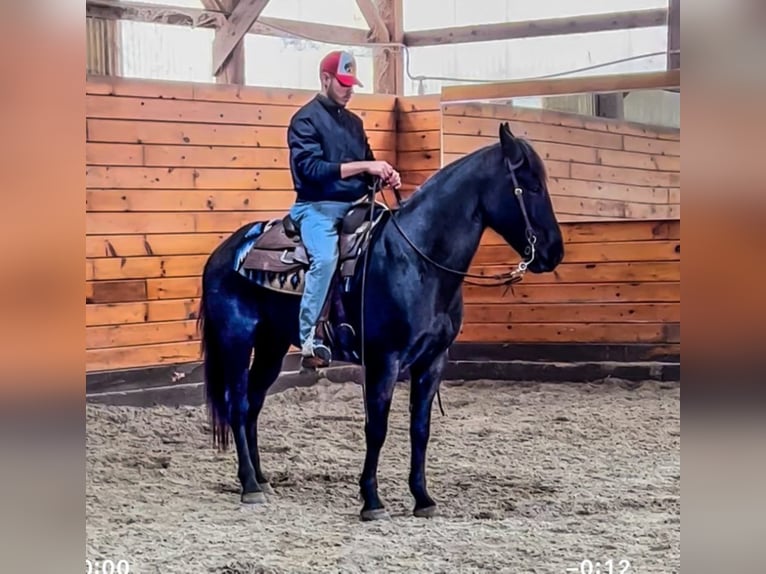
x=336 y=91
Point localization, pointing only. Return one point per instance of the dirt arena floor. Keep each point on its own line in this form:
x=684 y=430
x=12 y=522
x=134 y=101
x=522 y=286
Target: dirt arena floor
x=528 y=478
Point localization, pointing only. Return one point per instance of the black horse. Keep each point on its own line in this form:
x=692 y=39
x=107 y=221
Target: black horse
x=412 y=306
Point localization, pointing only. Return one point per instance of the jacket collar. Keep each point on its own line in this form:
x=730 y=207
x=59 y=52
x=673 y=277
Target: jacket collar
x=328 y=104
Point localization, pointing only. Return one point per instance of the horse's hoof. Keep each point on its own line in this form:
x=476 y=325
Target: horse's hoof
x=375 y=514
x=427 y=512
x=253 y=498
x=266 y=488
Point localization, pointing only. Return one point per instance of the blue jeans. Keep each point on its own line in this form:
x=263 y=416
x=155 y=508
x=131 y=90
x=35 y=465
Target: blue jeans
x=318 y=223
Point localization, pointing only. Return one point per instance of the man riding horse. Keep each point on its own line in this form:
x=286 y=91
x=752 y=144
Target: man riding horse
x=332 y=166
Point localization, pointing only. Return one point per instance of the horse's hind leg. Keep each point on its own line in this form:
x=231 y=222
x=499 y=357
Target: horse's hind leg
x=267 y=363
x=237 y=372
x=425 y=383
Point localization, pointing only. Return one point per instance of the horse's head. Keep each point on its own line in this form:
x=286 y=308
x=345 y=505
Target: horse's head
x=516 y=203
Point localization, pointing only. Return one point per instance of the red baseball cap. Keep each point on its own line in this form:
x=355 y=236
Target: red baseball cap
x=342 y=65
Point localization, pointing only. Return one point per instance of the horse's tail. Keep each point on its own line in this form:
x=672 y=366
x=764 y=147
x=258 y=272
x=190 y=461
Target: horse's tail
x=225 y=259
x=215 y=382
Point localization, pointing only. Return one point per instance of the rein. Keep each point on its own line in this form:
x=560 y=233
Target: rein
x=506 y=278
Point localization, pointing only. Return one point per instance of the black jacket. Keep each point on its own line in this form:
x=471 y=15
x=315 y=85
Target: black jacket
x=321 y=136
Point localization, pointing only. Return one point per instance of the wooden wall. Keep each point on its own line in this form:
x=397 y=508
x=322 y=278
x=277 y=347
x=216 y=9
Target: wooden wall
x=171 y=169
x=619 y=283
x=599 y=169
x=418 y=139
x=616 y=191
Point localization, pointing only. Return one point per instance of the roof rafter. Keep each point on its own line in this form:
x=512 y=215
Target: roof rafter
x=378 y=30
x=536 y=28
x=199 y=18
x=227 y=37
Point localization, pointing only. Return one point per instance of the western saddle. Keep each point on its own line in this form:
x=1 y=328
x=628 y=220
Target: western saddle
x=278 y=259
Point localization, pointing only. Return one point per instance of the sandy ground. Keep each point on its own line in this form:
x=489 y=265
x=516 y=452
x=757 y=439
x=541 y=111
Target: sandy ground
x=528 y=478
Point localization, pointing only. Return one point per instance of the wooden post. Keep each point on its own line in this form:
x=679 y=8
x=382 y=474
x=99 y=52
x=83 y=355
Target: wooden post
x=103 y=47
x=233 y=70
x=388 y=62
x=229 y=37
x=674 y=34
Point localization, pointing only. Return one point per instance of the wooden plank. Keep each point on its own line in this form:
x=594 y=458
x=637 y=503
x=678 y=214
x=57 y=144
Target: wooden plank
x=229 y=35
x=419 y=121
x=615 y=251
x=179 y=201
x=654 y=292
x=145 y=355
x=569 y=333
x=419 y=160
x=148 y=132
x=212 y=222
x=580 y=313
x=572 y=85
x=226 y=156
x=113 y=154
x=216 y=156
x=565 y=205
x=157 y=109
x=459 y=144
x=140 y=334
x=207 y=92
x=186 y=178
x=144 y=311
x=653 y=146
x=233 y=71
x=406 y=104
x=637 y=160
x=625 y=175
x=113 y=291
x=632 y=271
x=153 y=13
x=173 y=288
x=595 y=232
x=613 y=191
x=142 y=267
x=419 y=141
x=674 y=34
x=140 y=245
x=458 y=125
x=559 y=118
x=377 y=26
x=584 y=24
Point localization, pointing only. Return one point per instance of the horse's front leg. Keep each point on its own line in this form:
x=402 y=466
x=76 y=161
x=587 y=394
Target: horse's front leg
x=425 y=383
x=379 y=389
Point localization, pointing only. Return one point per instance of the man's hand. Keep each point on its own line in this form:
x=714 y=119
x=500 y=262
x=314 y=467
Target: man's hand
x=395 y=180
x=381 y=169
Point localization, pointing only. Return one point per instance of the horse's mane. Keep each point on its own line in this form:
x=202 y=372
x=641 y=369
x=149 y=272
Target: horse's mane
x=484 y=154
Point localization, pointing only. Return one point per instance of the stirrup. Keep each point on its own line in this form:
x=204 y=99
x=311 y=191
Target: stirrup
x=321 y=358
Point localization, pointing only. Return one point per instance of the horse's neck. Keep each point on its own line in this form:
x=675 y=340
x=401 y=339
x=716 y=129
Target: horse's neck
x=443 y=222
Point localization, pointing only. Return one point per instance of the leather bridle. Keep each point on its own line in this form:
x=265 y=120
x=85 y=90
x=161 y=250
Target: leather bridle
x=506 y=278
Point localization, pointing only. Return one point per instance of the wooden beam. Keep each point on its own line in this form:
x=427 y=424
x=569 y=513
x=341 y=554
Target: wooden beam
x=154 y=13
x=196 y=17
x=578 y=85
x=388 y=62
x=536 y=28
x=319 y=32
x=230 y=34
x=233 y=71
x=378 y=30
x=674 y=34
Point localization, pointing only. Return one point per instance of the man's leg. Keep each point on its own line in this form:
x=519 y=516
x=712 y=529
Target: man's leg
x=318 y=229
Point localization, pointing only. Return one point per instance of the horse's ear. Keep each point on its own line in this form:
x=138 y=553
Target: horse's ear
x=511 y=147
